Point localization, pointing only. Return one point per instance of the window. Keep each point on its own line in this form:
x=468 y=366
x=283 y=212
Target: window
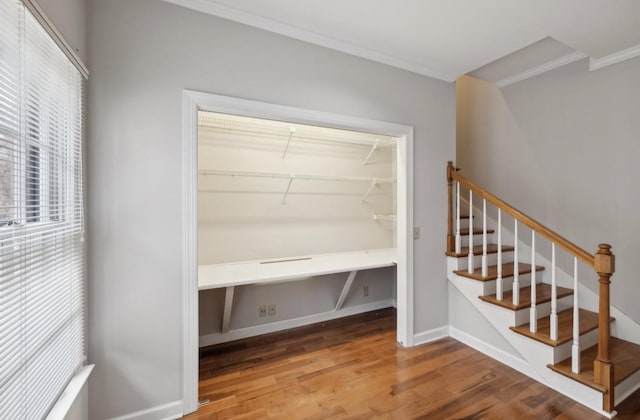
x=42 y=308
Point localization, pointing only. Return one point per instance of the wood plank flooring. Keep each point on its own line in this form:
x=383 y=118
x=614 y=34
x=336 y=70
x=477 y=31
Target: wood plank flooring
x=351 y=368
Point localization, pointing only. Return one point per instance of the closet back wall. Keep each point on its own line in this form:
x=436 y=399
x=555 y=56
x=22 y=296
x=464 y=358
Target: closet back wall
x=244 y=218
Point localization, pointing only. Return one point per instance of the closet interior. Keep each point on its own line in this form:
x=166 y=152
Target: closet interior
x=296 y=224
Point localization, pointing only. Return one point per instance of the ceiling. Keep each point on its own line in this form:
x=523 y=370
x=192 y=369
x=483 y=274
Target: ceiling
x=442 y=38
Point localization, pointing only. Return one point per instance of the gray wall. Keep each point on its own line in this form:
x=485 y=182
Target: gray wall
x=563 y=148
x=142 y=55
x=69 y=17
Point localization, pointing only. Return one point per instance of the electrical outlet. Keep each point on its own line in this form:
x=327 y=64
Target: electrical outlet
x=263 y=310
x=272 y=309
x=365 y=290
x=416 y=232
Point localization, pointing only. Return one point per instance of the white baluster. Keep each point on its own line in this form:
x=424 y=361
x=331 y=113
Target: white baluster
x=516 y=282
x=533 y=314
x=554 y=296
x=499 y=267
x=470 y=261
x=485 y=268
x=458 y=237
x=575 y=348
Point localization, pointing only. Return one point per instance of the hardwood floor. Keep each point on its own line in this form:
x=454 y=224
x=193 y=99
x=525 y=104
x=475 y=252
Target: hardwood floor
x=351 y=368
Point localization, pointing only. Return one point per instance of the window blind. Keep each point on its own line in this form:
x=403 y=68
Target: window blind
x=42 y=261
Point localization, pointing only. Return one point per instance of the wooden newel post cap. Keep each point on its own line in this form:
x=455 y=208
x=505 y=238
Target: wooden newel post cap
x=450 y=170
x=604 y=260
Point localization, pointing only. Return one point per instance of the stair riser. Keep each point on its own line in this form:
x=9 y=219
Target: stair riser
x=477 y=239
x=627 y=387
x=489 y=286
x=492 y=259
x=543 y=309
x=524 y=280
x=564 y=351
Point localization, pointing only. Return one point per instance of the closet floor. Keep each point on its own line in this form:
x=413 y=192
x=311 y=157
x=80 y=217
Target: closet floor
x=352 y=368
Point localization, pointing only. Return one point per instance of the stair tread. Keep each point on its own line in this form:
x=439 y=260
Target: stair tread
x=476 y=231
x=624 y=355
x=477 y=250
x=492 y=271
x=588 y=322
x=543 y=294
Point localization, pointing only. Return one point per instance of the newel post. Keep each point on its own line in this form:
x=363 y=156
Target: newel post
x=451 y=241
x=603 y=369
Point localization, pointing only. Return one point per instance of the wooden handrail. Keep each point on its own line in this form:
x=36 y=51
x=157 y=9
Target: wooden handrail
x=569 y=246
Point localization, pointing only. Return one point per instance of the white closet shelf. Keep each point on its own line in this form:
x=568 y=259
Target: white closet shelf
x=284 y=175
x=213 y=276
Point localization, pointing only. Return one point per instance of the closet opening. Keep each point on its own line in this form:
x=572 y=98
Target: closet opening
x=295 y=218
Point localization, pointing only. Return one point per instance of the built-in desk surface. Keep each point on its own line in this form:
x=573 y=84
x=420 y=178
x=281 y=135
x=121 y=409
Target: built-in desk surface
x=215 y=276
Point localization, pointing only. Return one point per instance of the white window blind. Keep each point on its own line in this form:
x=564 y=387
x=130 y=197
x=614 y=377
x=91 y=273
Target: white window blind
x=42 y=260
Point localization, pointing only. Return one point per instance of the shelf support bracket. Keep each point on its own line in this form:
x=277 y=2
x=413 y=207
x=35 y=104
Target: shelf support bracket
x=373 y=184
x=345 y=290
x=373 y=150
x=293 y=130
x=228 y=304
x=286 y=193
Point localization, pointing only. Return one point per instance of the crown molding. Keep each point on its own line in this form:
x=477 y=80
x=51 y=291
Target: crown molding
x=543 y=68
x=617 y=57
x=215 y=9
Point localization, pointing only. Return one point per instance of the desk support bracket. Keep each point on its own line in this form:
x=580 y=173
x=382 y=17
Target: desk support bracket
x=345 y=290
x=228 y=304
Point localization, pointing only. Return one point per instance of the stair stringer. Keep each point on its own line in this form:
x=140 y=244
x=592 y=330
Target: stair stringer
x=535 y=356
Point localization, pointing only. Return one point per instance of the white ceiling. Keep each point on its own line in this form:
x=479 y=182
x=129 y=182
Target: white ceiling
x=543 y=51
x=440 y=38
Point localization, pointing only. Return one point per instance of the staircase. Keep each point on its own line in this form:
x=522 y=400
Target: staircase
x=565 y=334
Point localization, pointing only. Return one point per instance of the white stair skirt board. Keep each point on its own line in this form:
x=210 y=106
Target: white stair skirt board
x=211 y=339
x=534 y=361
x=169 y=411
x=494 y=352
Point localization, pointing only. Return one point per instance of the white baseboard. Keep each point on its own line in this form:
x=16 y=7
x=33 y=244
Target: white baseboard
x=431 y=335
x=169 y=411
x=240 y=333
